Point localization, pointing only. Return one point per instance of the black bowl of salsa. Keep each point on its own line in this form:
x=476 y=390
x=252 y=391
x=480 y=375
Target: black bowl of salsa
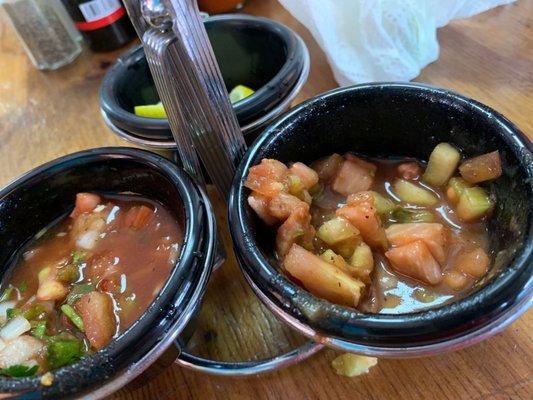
x=400 y=122
x=138 y=196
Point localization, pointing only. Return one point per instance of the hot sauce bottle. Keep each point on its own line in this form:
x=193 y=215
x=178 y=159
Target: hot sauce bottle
x=103 y=23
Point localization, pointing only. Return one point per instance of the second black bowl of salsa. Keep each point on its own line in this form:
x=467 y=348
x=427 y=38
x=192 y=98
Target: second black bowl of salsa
x=395 y=123
x=100 y=259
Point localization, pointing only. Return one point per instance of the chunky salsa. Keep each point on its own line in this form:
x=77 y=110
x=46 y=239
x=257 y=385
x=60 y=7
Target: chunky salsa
x=82 y=281
x=390 y=236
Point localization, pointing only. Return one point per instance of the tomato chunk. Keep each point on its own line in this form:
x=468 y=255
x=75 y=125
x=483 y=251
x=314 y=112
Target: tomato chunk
x=138 y=217
x=362 y=213
x=416 y=261
x=355 y=175
x=259 y=204
x=296 y=229
x=409 y=170
x=308 y=176
x=267 y=178
x=85 y=202
x=96 y=311
x=321 y=278
x=474 y=262
x=433 y=234
x=283 y=205
x=482 y=168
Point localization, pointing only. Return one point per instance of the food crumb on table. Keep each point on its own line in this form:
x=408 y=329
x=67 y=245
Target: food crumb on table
x=353 y=364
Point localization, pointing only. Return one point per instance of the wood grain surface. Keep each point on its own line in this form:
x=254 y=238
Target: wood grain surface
x=489 y=57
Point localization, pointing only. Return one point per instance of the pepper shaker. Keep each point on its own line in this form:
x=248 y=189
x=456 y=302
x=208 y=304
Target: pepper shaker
x=46 y=31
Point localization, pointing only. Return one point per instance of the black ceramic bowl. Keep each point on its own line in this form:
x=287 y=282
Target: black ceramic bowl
x=39 y=197
x=257 y=52
x=404 y=120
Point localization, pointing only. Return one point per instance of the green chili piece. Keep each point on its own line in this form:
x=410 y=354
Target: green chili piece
x=19 y=371
x=73 y=316
x=6 y=294
x=39 y=330
x=13 y=312
x=23 y=286
x=77 y=291
x=77 y=257
x=64 y=352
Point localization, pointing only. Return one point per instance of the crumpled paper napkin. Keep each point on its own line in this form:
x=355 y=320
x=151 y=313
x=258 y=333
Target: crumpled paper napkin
x=381 y=40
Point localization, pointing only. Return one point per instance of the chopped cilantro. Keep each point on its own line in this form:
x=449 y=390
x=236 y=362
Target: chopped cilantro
x=19 y=371
x=77 y=257
x=23 y=286
x=6 y=294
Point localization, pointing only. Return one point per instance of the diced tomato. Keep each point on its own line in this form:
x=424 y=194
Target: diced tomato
x=284 y=204
x=321 y=278
x=416 y=261
x=267 y=178
x=474 y=262
x=482 y=168
x=409 y=170
x=434 y=235
x=296 y=229
x=96 y=311
x=362 y=214
x=138 y=217
x=355 y=175
x=259 y=204
x=307 y=175
x=85 y=202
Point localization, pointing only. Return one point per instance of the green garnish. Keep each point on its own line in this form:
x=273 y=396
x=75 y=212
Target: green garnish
x=6 y=294
x=12 y=312
x=36 y=311
x=23 y=286
x=73 y=316
x=39 y=330
x=401 y=214
x=19 y=371
x=68 y=274
x=77 y=257
x=64 y=352
x=77 y=291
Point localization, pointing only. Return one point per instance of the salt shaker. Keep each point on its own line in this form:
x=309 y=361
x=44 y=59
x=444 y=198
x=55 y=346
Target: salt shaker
x=45 y=30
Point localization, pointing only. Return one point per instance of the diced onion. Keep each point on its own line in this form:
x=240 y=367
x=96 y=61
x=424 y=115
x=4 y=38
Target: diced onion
x=6 y=305
x=98 y=208
x=87 y=240
x=14 y=328
x=2 y=344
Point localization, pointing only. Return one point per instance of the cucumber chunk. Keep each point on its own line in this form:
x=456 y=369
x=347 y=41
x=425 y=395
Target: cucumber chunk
x=337 y=230
x=441 y=165
x=474 y=204
x=411 y=193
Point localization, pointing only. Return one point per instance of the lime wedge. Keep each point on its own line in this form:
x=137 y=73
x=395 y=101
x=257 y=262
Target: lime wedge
x=151 y=111
x=239 y=92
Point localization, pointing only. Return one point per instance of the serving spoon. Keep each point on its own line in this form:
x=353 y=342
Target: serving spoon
x=202 y=121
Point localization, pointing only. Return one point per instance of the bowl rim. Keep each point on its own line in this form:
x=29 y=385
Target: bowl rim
x=110 y=106
x=177 y=291
x=281 y=292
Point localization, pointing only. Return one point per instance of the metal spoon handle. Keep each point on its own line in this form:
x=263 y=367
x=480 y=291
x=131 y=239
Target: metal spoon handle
x=191 y=87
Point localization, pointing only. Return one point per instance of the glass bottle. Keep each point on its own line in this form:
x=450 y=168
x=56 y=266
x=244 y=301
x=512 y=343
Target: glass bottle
x=45 y=30
x=103 y=23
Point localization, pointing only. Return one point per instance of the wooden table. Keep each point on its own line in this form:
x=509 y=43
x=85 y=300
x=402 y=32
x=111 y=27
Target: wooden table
x=488 y=57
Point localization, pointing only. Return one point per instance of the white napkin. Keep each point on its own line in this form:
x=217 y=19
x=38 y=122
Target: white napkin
x=381 y=40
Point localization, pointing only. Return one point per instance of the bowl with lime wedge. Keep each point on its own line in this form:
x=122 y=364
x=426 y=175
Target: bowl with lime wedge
x=263 y=63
